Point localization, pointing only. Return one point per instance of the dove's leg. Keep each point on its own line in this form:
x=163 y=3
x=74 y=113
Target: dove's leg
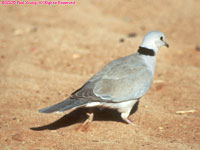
x=90 y=118
x=125 y=109
x=85 y=126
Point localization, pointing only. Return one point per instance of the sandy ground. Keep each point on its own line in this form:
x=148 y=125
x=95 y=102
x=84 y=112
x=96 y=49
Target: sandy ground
x=47 y=52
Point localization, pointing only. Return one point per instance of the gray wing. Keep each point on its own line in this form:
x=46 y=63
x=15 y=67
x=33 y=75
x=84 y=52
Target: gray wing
x=125 y=88
x=121 y=80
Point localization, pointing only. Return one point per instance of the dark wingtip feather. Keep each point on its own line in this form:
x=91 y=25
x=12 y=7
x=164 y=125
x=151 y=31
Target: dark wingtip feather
x=45 y=110
x=63 y=106
x=55 y=107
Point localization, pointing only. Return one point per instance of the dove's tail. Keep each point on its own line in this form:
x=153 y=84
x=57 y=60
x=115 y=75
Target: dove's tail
x=64 y=105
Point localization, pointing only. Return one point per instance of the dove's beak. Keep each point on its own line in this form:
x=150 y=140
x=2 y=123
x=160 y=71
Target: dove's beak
x=166 y=44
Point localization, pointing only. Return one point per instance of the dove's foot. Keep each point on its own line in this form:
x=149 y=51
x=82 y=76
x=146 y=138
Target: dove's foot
x=129 y=122
x=126 y=119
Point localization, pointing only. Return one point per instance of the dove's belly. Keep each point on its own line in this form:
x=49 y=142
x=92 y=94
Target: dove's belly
x=121 y=107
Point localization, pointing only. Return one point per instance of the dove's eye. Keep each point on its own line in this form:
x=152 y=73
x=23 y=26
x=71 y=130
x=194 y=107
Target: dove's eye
x=161 y=38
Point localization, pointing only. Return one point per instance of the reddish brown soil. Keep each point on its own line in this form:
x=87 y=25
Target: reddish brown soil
x=46 y=52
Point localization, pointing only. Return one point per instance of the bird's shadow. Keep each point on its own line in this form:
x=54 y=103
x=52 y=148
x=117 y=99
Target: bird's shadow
x=80 y=115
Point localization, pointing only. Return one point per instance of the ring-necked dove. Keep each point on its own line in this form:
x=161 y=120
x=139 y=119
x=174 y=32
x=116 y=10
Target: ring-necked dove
x=120 y=84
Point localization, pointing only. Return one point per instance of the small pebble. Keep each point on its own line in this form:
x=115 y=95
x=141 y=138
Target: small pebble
x=132 y=35
x=75 y=56
x=18 y=32
x=197 y=48
x=25 y=30
x=31 y=29
x=121 y=40
x=158 y=81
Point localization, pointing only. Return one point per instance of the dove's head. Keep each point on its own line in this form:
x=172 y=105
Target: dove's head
x=154 y=40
